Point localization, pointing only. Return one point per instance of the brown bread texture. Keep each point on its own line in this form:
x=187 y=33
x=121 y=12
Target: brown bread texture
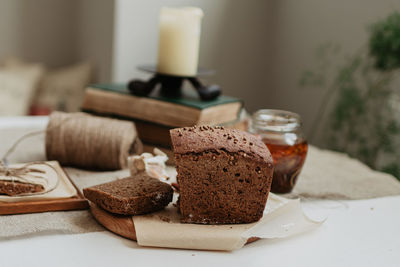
x=17 y=188
x=224 y=175
x=135 y=195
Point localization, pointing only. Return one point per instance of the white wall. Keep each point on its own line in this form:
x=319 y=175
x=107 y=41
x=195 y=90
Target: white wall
x=59 y=32
x=8 y=27
x=95 y=36
x=40 y=30
x=234 y=41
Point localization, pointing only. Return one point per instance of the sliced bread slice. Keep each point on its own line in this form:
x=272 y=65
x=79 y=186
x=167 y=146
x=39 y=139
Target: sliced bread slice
x=135 y=195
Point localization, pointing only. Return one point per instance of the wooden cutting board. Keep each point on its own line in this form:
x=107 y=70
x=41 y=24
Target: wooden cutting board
x=123 y=225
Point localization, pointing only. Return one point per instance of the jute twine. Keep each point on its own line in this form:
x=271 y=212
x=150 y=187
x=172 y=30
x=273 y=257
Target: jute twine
x=90 y=142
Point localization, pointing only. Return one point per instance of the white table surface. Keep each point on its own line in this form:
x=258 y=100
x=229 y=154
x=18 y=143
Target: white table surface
x=356 y=233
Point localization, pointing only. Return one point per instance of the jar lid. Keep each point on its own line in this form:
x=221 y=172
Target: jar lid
x=276 y=120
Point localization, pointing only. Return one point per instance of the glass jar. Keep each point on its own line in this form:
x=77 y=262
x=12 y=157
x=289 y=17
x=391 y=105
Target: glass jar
x=281 y=131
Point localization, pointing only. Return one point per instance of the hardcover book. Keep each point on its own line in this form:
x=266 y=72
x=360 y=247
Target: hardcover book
x=188 y=110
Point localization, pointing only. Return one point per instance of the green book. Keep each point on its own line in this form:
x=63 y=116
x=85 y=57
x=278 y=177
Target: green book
x=116 y=100
x=189 y=98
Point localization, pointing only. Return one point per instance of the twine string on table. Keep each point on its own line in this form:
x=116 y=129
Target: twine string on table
x=81 y=140
x=4 y=159
x=17 y=172
x=89 y=142
x=21 y=172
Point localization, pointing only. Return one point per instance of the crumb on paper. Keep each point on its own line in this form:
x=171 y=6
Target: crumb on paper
x=164 y=218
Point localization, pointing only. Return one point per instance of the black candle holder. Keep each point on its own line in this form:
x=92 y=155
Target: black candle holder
x=171 y=85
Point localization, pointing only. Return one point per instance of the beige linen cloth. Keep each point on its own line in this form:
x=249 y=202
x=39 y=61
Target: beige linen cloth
x=333 y=175
x=326 y=174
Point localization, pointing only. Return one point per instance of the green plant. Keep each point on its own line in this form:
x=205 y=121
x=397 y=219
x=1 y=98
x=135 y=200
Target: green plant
x=384 y=43
x=364 y=120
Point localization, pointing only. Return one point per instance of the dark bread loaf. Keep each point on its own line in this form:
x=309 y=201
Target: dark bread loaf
x=135 y=195
x=224 y=175
x=17 y=188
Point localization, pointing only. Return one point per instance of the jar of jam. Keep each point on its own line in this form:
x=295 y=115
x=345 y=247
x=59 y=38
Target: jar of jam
x=281 y=131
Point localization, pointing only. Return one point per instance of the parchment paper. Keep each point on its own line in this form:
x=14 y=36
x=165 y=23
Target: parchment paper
x=282 y=218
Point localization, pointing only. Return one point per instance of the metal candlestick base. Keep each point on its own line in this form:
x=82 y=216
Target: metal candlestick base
x=171 y=86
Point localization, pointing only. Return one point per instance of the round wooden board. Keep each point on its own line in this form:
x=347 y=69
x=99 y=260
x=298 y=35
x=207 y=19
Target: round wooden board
x=118 y=224
x=123 y=225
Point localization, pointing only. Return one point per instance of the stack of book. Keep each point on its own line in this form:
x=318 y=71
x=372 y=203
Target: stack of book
x=155 y=115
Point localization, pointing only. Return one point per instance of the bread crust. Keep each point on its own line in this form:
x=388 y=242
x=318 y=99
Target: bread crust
x=202 y=138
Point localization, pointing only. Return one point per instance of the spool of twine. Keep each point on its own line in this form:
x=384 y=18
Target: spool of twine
x=90 y=142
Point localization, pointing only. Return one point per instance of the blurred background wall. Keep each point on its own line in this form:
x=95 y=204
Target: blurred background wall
x=259 y=48
x=40 y=31
x=298 y=29
x=59 y=32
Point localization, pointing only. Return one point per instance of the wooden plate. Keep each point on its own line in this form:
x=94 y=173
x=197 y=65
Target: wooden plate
x=123 y=225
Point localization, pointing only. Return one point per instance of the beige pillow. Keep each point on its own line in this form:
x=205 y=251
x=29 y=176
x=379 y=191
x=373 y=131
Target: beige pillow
x=60 y=89
x=17 y=87
x=63 y=89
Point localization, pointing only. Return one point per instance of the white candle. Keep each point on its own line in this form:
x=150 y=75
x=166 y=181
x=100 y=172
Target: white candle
x=178 y=47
